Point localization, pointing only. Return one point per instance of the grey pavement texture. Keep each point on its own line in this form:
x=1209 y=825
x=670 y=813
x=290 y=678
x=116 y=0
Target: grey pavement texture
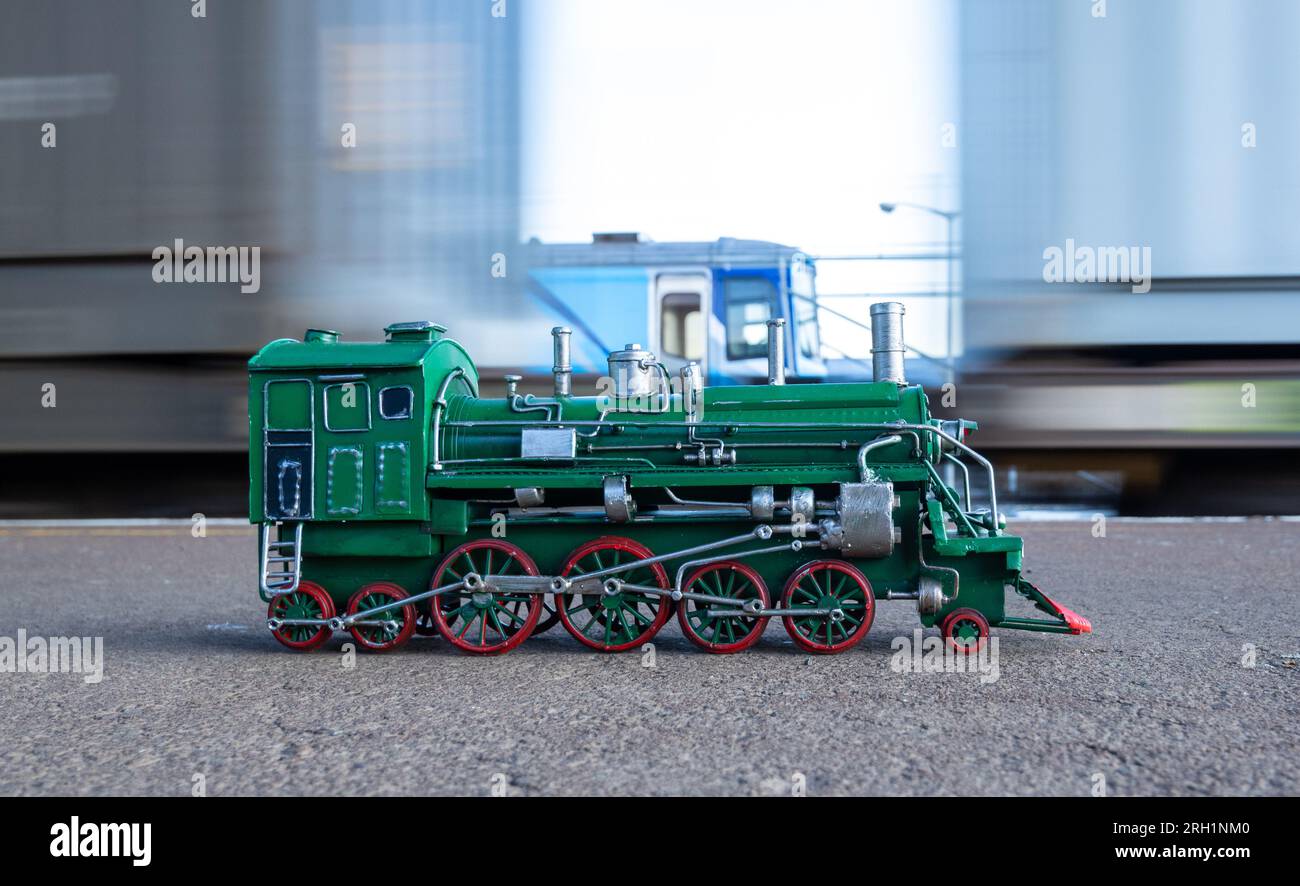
x=1157 y=700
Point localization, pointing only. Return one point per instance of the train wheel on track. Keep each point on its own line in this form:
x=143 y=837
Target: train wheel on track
x=550 y=616
x=425 y=626
x=828 y=584
x=965 y=630
x=382 y=637
x=614 y=622
x=722 y=635
x=308 y=601
x=485 y=622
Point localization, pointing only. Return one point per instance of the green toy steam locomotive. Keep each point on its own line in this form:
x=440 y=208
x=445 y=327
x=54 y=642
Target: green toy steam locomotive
x=391 y=499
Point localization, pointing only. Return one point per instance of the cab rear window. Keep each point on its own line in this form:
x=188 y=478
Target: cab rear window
x=288 y=405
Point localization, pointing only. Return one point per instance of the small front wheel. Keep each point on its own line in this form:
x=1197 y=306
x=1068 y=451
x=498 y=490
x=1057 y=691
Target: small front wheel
x=965 y=630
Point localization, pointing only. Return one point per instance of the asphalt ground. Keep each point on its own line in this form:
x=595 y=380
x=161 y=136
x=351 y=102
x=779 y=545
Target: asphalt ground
x=1158 y=700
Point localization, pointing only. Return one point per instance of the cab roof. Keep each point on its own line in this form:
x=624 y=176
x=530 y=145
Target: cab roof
x=407 y=346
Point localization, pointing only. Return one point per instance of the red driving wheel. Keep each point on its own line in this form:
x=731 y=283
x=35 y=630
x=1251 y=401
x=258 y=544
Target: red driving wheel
x=722 y=634
x=828 y=585
x=620 y=621
x=484 y=622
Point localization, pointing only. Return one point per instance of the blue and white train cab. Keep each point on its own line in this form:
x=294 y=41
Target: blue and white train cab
x=706 y=302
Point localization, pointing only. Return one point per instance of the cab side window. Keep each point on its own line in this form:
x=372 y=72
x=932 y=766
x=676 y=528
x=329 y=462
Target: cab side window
x=395 y=402
x=347 y=407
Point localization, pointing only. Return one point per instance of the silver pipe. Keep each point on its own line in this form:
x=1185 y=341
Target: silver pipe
x=405 y=601
x=760 y=532
x=965 y=476
x=563 y=367
x=887 y=342
x=776 y=351
x=706 y=504
x=537 y=515
x=795 y=545
x=874 y=444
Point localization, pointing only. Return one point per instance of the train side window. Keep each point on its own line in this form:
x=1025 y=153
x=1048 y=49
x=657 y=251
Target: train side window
x=347 y=407
x=681 y=324
x=395 y=402
x=749 y=307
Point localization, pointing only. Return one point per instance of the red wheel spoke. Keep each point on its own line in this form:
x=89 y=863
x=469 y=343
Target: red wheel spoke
x=638 y=614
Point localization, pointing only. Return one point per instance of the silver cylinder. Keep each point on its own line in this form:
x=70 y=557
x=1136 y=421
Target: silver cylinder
x=776 y=351
x=887 y=342
x=637 y=377
x=563 y=367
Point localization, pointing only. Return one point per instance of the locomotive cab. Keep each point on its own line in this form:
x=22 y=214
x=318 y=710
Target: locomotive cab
x=340 y=433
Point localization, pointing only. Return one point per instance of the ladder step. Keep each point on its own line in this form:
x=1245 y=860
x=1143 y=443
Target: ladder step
x=280 y=559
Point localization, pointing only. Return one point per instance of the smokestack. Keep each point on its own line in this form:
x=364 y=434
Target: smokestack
x=887 y=342
x=563 y=367
x=776 y=352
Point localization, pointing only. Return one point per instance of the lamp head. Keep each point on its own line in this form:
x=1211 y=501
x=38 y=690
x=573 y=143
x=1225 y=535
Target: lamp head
x=888 y=207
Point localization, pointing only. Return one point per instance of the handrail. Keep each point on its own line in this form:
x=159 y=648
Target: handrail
x=965 y=471
x=951 y=500
x=856 y=322
x=439 y=404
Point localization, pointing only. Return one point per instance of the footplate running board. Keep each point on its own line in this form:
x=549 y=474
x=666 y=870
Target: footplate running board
x=280 y=565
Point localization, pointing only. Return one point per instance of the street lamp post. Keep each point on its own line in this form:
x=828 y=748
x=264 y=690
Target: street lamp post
x=949 y=218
